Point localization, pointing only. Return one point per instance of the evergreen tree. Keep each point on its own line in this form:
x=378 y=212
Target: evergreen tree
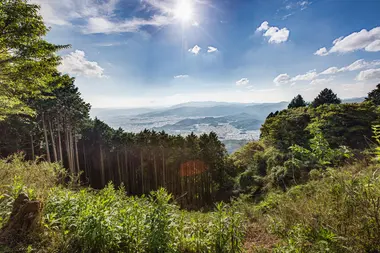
x=296 y=102
x=326 y=96
x=27 y=62
x=374 y=95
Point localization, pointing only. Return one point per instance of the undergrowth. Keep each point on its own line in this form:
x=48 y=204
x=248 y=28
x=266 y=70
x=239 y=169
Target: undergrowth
x=338 y=211
x=86 y=220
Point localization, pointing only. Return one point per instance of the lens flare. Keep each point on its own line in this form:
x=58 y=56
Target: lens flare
x=184 y=10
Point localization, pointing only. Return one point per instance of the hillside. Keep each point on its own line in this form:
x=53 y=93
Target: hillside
x=258 y=111
x=305 y=176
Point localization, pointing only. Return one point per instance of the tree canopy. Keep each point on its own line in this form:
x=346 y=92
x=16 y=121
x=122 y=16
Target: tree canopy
x=296 y=102
x=27 y=61
x=374 y=95
x=326 y=96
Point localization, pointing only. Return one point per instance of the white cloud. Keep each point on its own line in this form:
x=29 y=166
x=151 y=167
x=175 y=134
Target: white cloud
x=195 y=50
x=111 y=44
x=282 y=79
x=76 y=63
x=104 y=25
x=306 y=77
x=263 y=27
x=369 y=74
x=275 y=34
x=63 y=12
x=330 y=71
x=100 y=16
x=298 y=5
x=322 y=52
x=320 y=81
x=212 y=49
x=363 y=40
x=303 y=4
x=373 y=47
x=357 y=65
x=242 y=82
x=181 y=76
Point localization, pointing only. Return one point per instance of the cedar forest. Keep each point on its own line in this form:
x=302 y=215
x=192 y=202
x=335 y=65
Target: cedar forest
x=310 y=184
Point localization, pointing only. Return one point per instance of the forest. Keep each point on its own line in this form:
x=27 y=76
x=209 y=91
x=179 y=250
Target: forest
x=70 y=183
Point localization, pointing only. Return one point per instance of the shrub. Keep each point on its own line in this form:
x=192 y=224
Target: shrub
x=339 y=213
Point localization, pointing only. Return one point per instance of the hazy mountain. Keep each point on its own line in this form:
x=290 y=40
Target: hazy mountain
x=231 y=121
x=206 y=104
x=242 y=121
x=200 y=109
x=353 y=100
x=112 y=112
x=258 y=111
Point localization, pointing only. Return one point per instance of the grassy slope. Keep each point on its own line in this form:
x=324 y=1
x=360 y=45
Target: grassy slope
x=84 y=220
x=337 y=211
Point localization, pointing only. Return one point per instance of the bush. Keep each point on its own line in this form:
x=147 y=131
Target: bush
x=87 y=220
x=339 y=213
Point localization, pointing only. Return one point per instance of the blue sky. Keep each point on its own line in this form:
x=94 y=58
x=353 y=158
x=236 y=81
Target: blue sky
x=143 y=53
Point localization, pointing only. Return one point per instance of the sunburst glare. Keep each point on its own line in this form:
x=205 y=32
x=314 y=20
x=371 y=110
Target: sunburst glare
x=184 y=10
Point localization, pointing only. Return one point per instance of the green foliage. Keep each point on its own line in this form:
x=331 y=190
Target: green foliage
x=296 y=102
x=27 y=61
x=374 y=96
x=342 y=125
x=376 y=132
x=108 y=221
x=287 y=128
x=242 y=158
x=338 y=213
x=326 y=96
x=249 y=181
x=87 y=220
x=161 y=221
x=17 y=175
x=226 y=231
x=320 y=154
x=347 y=124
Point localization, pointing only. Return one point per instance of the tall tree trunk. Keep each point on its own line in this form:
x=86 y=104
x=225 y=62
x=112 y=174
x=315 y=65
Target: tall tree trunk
x=103 y=180
x=46 y=138
x=163 y=167
x=155 y=171
x=77 y=152
x=86 y=172
x=118 y=168
x=142 y=171
x=32 y=145
x=60 y=144
x=127 y=176
x=71 y=151
x=53 y=142
x=68 y=152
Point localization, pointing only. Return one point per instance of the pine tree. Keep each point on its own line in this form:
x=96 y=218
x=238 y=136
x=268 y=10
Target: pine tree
x=374 y=95
x=296 y=102
x=326 y=96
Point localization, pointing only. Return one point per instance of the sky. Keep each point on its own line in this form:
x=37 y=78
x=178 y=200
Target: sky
x=150 y=53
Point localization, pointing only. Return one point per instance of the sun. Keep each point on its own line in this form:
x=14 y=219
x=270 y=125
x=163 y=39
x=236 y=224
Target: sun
x=184 y=10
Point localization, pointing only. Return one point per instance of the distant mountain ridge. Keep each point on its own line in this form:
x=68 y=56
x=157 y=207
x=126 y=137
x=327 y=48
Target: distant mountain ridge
x=200 y=109
x=258 y=111
x=353 y=100
x=241 y=121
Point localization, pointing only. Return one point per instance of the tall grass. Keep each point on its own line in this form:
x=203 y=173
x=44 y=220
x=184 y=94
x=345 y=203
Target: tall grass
x=338 y=213
x=86 y=220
